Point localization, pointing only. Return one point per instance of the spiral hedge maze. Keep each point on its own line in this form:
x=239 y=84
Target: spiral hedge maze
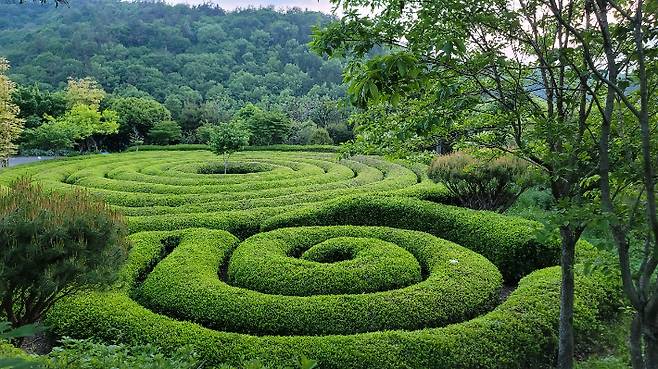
x=299 y=253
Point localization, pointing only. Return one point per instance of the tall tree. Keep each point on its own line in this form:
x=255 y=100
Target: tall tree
x=10 y=125
x=503 y=64
x=82 y=123
x=618 y=42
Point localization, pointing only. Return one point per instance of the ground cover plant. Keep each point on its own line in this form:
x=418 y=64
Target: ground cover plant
x=303 y=254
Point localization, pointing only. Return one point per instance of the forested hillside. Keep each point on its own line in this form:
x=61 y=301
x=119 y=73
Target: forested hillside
x=202 y=62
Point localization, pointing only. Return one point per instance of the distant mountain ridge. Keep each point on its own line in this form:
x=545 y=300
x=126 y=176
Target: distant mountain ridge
x=192 y=53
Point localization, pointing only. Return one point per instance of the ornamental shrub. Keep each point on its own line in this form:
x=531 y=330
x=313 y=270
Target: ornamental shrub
x=479 y=183
x=449 y=293
x=52 y=245
x=511 y=243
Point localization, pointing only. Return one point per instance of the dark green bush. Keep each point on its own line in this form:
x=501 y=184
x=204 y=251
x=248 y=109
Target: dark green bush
x=234 y=168
x=52 y=245
x=179 y=147
x=342 y=265
x=164 y=133
x=481 y=184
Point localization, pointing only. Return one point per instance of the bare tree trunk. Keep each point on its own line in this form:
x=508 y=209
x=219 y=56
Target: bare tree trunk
x=566 y=344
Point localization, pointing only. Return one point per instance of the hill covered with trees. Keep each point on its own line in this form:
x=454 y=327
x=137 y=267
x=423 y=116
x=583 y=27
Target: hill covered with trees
x=202 y=63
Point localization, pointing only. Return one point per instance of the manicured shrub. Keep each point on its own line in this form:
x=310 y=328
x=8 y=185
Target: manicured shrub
x=510 y=243
x=53 y=245
x=450 y=292
x=481 y=183
x=520 y=333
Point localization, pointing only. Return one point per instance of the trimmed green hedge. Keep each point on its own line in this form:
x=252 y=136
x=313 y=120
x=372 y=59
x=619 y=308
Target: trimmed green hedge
x=334 y=266
x=172 y=278
x=510 y=243
x=521 y=333
x=192 y=147
x=185 y=285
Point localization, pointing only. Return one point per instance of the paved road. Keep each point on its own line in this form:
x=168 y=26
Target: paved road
x=27 y=159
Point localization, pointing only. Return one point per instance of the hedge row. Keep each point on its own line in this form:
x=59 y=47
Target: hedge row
x=521 y=333
x=511 y=243
x=185 y=285
x=331 y=266
x=193 y=147
x=131 y=181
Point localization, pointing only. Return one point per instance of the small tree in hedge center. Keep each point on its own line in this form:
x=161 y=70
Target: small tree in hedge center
x=228 y=138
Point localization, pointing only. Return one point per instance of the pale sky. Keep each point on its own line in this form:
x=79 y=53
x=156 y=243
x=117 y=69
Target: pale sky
x=319 y=5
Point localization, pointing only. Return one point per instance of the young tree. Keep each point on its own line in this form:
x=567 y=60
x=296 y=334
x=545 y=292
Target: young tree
x=78 y=126
x=227 y=138
x=10 y=125
x=53 y=245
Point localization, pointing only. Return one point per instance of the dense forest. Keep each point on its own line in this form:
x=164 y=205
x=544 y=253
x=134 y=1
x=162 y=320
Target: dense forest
x=202 y=63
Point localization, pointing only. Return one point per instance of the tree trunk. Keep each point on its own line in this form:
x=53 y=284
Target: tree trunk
x=635 y=343
x=566 y=340
x=650 y=348
x=225 y=165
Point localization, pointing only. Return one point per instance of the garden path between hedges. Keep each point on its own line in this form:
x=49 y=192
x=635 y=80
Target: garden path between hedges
x=18 y=160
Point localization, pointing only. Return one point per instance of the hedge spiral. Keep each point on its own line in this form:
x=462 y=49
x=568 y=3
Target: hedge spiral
x=300 y=253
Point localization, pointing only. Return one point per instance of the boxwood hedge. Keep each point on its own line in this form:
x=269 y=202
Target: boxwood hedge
x=520 y=333
x=275 y=296
x=510 y=243
x=185 y=285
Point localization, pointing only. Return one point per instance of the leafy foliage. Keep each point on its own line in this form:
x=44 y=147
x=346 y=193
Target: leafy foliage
x=136 y=116
x=228 y=138
x=80 y=123
x=10 y=125
x=83 y=354
x=164 y=133
x=53 y=245
x=266 y=127
x=35 y=104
